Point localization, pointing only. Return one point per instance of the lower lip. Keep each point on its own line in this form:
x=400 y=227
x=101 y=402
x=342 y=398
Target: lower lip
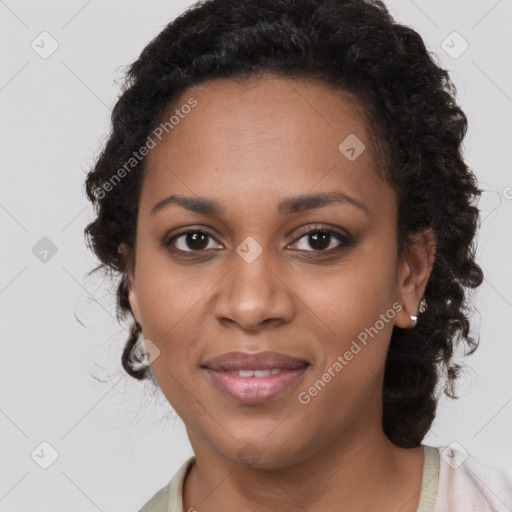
x=255 y=390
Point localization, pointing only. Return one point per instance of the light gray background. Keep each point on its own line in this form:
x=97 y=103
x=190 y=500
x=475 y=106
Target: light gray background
x=116 y=443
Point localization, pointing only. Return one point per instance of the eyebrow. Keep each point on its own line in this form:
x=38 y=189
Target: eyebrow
x=289 y=205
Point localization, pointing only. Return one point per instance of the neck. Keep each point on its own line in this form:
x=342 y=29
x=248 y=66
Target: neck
x=360 y=471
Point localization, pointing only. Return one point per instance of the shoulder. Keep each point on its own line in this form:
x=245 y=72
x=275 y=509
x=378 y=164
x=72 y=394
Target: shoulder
x=169 y=497
x=158 y=503
x=467 y=484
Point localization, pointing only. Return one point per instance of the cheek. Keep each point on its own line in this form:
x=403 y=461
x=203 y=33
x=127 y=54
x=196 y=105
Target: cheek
x=168 y=302
x=352 y=308
x=346 y=384
x=351 y=296
x=167 y=293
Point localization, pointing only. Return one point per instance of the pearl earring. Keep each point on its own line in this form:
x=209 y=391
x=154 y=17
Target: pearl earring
x=422 y=307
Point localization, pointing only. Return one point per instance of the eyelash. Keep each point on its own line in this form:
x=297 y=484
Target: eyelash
x=345 y=241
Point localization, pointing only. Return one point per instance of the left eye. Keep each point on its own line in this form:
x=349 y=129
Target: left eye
x=323 y=240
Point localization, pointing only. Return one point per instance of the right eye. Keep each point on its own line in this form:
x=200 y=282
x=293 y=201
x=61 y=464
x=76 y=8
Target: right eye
x=190 y=241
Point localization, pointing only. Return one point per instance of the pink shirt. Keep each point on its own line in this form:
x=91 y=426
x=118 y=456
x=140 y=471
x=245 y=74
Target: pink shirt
x=465 y=484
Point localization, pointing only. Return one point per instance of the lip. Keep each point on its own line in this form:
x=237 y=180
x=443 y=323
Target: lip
x=254 y=390
x=267 y=360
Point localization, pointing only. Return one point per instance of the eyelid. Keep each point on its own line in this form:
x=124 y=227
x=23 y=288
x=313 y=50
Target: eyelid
x=321 y=227
x=325 y=228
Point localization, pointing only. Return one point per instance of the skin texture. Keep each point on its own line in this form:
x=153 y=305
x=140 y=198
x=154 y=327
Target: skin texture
x=248 y=146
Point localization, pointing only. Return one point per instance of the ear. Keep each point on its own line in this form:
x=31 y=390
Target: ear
x=413 y=273
x=130 y=271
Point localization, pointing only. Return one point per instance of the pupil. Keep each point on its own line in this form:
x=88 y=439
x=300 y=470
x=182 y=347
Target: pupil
x=321 y=238
x=196 y=240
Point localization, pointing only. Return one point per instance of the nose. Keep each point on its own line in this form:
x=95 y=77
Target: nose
x=253 y=295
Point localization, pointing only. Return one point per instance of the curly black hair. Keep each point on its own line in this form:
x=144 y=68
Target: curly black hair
x=355 y=46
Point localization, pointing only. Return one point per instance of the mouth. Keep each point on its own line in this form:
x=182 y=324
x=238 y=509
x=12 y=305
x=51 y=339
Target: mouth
x=254 y=378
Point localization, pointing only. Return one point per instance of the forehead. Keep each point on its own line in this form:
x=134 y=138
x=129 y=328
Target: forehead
x=267 y=135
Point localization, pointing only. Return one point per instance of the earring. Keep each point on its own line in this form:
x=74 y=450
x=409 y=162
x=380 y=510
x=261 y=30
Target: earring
x=422 y=307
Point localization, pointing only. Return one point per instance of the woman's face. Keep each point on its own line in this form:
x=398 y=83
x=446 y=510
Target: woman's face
x=249 y=278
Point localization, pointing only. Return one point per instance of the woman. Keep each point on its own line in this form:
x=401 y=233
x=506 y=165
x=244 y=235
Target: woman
x=284 y=196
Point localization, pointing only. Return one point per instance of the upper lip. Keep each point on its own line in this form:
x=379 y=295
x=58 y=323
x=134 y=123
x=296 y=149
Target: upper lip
x=234 y=361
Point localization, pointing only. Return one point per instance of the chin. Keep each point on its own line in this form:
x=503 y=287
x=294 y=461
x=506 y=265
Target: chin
x=262 y=453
